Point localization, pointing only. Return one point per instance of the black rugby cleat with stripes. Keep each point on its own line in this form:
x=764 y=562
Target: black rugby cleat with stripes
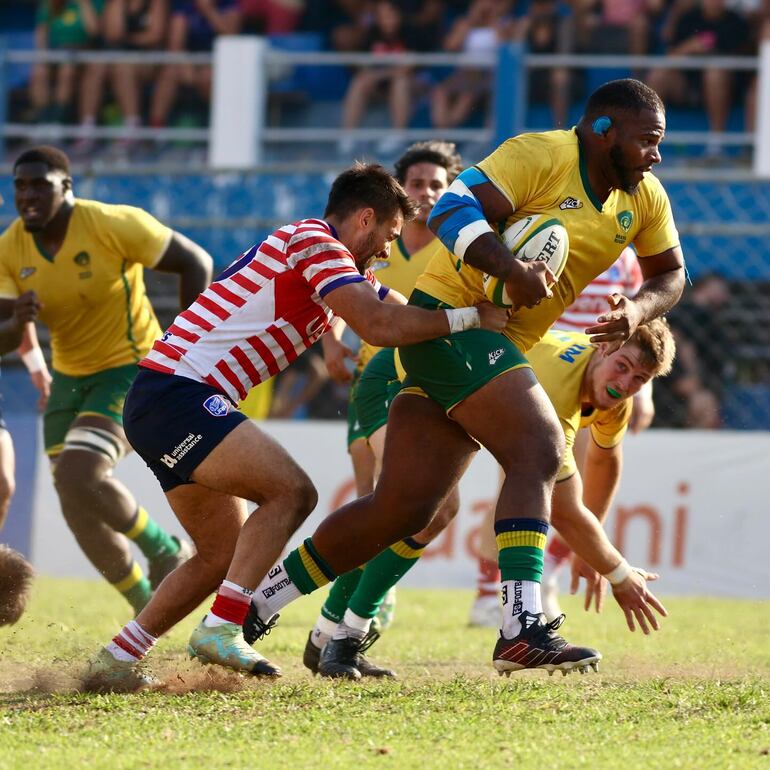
x=539 y=646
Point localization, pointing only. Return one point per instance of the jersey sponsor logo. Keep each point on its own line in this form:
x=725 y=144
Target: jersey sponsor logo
x=625 y=220
x=572 y=352
x=495 y=355
x=217 y=406
x=570 y=203
x=26 y=272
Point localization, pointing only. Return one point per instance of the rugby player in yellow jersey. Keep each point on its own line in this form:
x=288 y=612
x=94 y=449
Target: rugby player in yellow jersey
x=588 y=390
x=425 y=170
x=78 y=266
x=595 y=178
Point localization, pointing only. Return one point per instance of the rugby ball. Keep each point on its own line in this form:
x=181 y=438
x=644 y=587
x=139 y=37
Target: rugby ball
x=537 y=238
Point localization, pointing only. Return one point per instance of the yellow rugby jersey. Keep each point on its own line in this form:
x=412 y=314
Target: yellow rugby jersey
x=400 y=272
x=559 y=360
x=92 y=290
x=545 y=173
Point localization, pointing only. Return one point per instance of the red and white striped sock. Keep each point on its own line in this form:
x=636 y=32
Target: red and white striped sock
x=230 y=605
x=556 y=554
x=487 y=579
x=132 y=643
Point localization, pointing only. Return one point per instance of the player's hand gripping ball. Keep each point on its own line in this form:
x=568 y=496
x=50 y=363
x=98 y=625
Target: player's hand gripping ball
x=16 y=575
x=537 y=238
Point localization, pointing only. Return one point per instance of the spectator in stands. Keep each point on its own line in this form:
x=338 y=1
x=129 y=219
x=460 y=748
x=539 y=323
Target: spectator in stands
x=759 y=21
x=486 y=24
x=389 y=33
x=271 y=17
x=133 y=25
x=67 y=25
x=708 y=29
x=193 y=26
x=617 y=26
x=692 y=395
x=548 y=26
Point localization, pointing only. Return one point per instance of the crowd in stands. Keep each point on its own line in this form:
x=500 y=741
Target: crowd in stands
x=155 y=95
x=137 y=94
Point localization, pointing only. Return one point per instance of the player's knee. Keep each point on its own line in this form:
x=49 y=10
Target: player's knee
x=74 y=476
x=441 y=520
x=301 y=497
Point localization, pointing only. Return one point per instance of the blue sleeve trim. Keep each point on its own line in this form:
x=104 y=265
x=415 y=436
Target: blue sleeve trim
x=345 y=279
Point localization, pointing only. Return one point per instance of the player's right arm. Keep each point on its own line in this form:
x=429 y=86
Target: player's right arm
x=389 y=325
x=15 y=314
x=191 y=262
x=460 y=219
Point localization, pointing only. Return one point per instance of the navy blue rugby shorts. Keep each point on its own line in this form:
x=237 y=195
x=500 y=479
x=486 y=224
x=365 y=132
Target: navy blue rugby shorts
x=174 y=423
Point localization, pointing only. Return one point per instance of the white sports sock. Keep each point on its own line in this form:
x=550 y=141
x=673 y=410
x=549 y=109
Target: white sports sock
x=322 y=631
x=274 y=592
x=352 y=625
x=131 y=643
x=519 y=596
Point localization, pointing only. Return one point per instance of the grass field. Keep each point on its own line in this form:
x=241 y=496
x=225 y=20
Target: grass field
x=695 y=695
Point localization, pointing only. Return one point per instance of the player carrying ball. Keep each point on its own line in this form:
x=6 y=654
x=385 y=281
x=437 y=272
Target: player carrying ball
x=596 y=179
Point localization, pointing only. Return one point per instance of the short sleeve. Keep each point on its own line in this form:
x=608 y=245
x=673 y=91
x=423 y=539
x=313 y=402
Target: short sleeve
x=517 y=170
x=610 y=425
x=137 y=235
x=322 y=260
x=658 y=232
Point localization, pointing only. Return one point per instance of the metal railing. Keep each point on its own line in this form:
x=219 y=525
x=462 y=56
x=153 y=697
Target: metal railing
x=508 y=67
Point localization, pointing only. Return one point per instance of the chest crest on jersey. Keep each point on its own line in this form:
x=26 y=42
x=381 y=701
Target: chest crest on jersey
x=83 y=260
x=625 y=220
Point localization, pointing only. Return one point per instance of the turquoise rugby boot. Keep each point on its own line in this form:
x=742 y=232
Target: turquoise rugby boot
x=225 y=646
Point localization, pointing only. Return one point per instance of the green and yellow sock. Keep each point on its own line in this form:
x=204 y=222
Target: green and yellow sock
x=306 y=569
x=339 y=595
x=153 y=541
x=521 y=548
x=382 y=573
x=135 y=587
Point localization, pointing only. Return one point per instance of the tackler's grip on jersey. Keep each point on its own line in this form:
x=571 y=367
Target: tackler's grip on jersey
x=460 y=212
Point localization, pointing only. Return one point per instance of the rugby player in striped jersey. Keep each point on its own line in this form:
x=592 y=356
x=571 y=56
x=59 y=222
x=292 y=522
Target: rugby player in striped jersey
x=255 y=318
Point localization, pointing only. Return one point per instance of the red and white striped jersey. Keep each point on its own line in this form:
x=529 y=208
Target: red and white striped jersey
x=624 y=276
x=260 y=313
